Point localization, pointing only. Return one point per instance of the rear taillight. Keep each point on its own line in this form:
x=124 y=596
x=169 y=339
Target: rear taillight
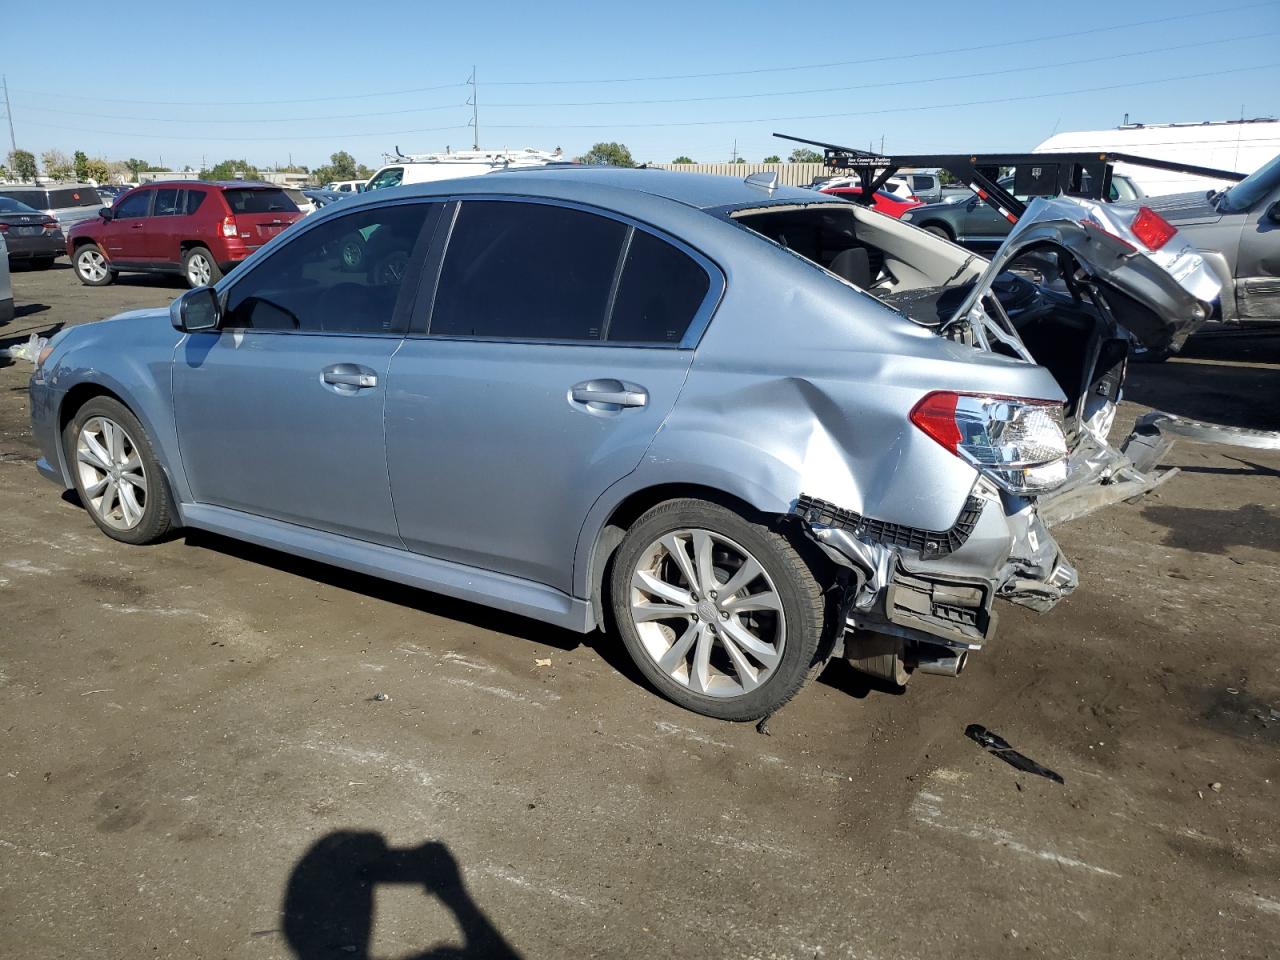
x=4 y=228
x=229 y=226
x=1019 y=443
x=1152 y=229
x=51 y=225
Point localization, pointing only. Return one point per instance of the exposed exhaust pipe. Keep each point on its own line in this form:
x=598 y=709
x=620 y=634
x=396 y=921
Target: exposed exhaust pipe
x=944 y=664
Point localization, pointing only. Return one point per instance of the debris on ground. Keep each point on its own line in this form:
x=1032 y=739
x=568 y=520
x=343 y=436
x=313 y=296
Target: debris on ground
x=998 y=746
x=29 y=351
x=1216 y=787
x=381 y=697
x=539 y=662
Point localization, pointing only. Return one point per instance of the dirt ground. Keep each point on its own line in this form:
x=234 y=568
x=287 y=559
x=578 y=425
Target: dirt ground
x=194 y=762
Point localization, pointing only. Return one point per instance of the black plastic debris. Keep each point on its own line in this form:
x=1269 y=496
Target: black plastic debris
x=998 y=746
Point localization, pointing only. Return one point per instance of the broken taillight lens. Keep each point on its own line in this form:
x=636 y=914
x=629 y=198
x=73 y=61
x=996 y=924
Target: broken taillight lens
x=1152 y=229
x=1019 y=443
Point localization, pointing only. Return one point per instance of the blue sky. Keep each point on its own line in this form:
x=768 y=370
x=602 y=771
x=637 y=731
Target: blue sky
x=149 y=81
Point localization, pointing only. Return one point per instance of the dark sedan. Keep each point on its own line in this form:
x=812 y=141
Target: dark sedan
x=30 y=235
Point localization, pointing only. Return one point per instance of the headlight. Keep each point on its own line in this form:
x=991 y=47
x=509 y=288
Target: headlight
x=1019 y=443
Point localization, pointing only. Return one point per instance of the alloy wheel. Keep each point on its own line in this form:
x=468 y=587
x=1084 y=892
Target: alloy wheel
x=92 y=264
x=707 y=613
x=198 y=270
x=111 y=473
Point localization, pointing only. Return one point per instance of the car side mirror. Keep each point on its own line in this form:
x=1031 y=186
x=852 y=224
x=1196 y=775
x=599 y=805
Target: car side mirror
x=196 y=311
x=973 y=204
x=1274 y=213
x=106 y=213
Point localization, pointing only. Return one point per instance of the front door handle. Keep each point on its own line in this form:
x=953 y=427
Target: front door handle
x=348 y=377
x=612 y=392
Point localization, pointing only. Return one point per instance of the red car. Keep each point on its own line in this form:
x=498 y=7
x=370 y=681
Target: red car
x=884 y=202
x=191 y=227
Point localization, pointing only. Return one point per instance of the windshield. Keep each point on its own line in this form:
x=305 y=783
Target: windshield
x=13 y=206
x=1252 y=188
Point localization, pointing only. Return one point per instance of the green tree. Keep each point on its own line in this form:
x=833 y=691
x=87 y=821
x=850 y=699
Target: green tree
x=609 y=154
x=804 y=155
x=741 y=160
x=341 y=166
x=57 y=165
x=80 y=164
x=683 y=159
x=773 y=158
x=23 y=164
x=136 y=166
x=97 y=170
x=227 y=170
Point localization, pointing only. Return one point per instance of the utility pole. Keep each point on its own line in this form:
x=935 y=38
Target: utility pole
x=474 y=102
x=735 y=150
x=8 y=112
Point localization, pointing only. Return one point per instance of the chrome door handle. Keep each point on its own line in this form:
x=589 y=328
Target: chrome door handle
x=614 y=393
x=351 y=379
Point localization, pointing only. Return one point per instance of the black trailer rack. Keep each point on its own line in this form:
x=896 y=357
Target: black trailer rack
x=1086 y=175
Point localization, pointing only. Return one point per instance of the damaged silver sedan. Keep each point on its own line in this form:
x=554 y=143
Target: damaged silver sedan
x=742 y=428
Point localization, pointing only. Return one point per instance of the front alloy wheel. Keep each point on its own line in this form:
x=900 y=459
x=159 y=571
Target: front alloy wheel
x=112 y=474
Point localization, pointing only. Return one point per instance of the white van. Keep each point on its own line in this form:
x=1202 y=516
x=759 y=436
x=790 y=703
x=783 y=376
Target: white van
x=427 y=167
x=345 y=186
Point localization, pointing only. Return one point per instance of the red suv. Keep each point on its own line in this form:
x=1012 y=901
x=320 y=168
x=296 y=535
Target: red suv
x=200 y=230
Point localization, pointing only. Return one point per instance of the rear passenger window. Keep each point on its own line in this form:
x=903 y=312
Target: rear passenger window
x=661 y=290
x=168 y=203
x=194 y=199
x=343 y=276
x=527 y=271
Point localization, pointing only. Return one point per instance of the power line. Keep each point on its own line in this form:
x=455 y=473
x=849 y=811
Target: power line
x=897 y=83
x=287 y=136
x=204 y=120
x=867 y=113
x=1110 y=28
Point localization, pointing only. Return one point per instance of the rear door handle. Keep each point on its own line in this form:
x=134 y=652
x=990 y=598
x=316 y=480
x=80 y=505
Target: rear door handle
x=613 y=392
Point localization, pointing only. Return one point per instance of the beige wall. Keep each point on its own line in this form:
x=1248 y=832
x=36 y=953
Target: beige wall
x=792 y=174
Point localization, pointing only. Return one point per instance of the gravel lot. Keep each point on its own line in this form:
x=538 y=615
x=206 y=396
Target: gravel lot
x=195 y=764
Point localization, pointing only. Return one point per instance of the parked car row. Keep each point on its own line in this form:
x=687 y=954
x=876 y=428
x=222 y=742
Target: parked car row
x=30 y=235
x=757 y=426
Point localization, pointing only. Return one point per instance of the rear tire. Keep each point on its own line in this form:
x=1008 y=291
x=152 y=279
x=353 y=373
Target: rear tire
x=116 y=473
x=92 y=267
x=199 y=268
x=720 y=613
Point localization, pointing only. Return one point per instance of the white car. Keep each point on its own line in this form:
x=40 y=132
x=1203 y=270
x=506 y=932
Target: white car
x=345 y=186
x=429 y=167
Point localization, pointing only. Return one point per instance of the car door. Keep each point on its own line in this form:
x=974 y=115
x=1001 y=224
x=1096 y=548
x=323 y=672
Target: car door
x=279 y=412
x=125 y=233
x=1258 y=263
x=162 y=237
x=554 y=346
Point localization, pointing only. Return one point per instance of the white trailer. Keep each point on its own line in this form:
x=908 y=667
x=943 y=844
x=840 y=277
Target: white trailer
x=1240 y=145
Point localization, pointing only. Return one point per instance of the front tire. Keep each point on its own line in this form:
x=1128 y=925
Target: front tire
x=92 y=266
x=721 y=614
x=116 y=473
x=199 y=267
x=939 y=231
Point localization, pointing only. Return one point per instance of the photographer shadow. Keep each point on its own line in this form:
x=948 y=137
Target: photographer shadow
x=328 y=907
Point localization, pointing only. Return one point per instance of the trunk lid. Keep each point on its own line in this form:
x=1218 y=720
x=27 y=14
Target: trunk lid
x=1159 y=296
x=261 y=212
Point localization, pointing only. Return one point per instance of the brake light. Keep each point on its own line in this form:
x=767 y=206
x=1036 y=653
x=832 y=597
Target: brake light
x=1152 y=229
x=51 y=225
x=4 y=228
x=1019 y=443
x=229 y=228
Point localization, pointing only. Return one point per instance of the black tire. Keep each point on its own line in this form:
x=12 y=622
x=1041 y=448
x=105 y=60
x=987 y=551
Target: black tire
x=938 y=230
x=190 y=263
x=798 y=590
x=41 y=263
x=87 y=262
x=157 y=503
x=351 y=250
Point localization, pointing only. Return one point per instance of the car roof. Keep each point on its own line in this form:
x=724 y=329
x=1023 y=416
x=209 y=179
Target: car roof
x=221 y=184
x=699 y=190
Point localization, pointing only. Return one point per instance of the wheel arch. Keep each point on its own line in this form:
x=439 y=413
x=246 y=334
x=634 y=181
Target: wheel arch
x=940 y=224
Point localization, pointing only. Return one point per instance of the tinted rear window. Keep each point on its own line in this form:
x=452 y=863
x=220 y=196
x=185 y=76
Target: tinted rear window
x=32 y=198
x=14 y=206
x=527 y=271
x=259 y=201
x=74 y=197
x=661 y=289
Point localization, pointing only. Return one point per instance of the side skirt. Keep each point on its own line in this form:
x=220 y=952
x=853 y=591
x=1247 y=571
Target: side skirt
x=484 y=587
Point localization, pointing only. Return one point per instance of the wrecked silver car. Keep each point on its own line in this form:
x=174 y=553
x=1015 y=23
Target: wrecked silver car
x=742 y=428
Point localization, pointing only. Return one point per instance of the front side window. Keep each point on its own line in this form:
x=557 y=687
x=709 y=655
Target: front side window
x=527 y=271
x=168 y=203
x=390 y=177
x=134 y=205
x=343 y=276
